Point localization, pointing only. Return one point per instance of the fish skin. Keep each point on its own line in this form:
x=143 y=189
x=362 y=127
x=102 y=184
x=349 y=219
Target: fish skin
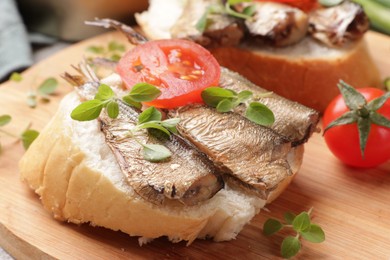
x=221 y=30
x=252 y=154
x=187 y=177
x=292 y=120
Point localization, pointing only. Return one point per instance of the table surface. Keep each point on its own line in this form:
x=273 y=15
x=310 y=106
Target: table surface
x=350 y=204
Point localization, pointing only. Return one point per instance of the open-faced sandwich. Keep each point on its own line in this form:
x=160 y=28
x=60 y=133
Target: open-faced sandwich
x=186 y=170
x=296 y=48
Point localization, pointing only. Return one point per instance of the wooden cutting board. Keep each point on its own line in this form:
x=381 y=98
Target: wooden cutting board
x=351 y=205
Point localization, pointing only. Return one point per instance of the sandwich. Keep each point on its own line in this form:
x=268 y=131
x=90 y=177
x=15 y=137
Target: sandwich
x=218 y=170
x=298 y=49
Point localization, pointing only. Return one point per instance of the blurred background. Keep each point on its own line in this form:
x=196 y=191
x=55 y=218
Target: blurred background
x=30 y=30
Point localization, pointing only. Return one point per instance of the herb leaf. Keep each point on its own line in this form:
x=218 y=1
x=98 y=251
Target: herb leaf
x=225 y=105
x=302 y=226
x=104 y=93
x=314 y=234
x=155 y=152
x=15 y=76
x=301 y=222
x=5 y=119
x=289 y=217
x=115 y=46
x=48 y=86
x=144 y=92
x=96 y=49
x=260 y=114
x=87 y=110
x=328 y=3
x=271 y=226
x=112 y=109
x=131 y=102
x=153 y=125
x=290 y=247
x=213 y=95
x=150 y=114
x=28 y=137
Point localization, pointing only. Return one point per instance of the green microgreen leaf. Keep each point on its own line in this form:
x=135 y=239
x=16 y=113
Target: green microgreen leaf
x=28 y=137
x=202 y=22
x=290 y=247
x=115 y=57
x=225 y=105
x=234 y=2
x=127 y=99
x=153 y=125
x=271 y=226
x=213 y=95
x=48 y=86
x=260 y=114
x=353 y=99
x=329 y=3
x=289 y=217
x=104 y=93
x=301 y=222
x=5 y=119
x=115 y=46
x=96 y=49
x=314 y=234
x=15 y=76
x=230 y=11
x=244 y=96
x=155 y=152
x=249 y=11
x=150 y=114
x=112 y=109
x=87 y=110
x=171 y=124
x=144 y=92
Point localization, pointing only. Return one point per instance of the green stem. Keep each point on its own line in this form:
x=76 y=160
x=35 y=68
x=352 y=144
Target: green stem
x=378 y=14
x=231 y=12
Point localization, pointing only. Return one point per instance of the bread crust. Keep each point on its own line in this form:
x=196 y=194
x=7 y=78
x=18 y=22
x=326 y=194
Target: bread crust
x=308 y=78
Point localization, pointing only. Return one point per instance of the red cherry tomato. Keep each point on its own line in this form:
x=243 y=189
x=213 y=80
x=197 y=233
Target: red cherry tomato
x=180 y=69
x=343 y=140
x=305 y=5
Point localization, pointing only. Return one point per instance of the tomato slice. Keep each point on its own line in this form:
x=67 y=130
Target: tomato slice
x=305 y=5
x=181 y=69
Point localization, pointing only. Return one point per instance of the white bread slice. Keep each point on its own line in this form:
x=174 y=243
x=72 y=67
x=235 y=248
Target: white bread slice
x=306 y=72
x=78 y=180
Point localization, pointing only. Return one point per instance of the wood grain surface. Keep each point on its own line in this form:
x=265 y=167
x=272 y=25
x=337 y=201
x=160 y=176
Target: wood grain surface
x=352 y=205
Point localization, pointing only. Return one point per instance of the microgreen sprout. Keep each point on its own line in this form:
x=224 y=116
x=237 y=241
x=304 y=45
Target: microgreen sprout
x=112 y=51
x=150 y=118
x=226 y=100
x=27 y=136
x=44 y=90
x=246 y=13
x=302 y=226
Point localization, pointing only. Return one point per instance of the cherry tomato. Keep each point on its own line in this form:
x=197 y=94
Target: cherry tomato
x=181 y=69
x=305 y=5
x=343 y=140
